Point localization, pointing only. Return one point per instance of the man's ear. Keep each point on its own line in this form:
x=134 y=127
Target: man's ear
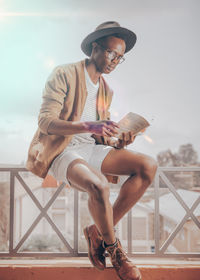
x=94 y=46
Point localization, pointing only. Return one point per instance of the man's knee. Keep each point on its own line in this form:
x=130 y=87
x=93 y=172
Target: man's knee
x=99 y=189
x=148 y=169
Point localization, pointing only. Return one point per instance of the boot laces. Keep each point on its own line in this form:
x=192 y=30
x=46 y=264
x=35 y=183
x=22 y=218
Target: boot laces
x=118 y=256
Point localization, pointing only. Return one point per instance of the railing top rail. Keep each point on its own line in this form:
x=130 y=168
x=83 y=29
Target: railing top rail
x=179 y=168
x=161 y=168
x=13 y=169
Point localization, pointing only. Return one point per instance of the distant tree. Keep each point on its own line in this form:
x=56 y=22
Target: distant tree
x=167 y=158
x=186 y=156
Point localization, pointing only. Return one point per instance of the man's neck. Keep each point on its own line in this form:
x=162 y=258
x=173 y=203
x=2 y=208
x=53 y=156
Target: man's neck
x=92 y=71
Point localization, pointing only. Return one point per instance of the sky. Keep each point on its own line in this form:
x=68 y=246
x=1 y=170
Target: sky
x=159 y=80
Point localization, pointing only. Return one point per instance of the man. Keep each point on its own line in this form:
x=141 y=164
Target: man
x=73 y=142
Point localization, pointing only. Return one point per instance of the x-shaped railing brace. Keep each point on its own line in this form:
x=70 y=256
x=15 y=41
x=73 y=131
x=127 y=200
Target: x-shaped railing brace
x=189 y=213
x=43 y=213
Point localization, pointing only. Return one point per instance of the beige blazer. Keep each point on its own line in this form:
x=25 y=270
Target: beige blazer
x=64 y=98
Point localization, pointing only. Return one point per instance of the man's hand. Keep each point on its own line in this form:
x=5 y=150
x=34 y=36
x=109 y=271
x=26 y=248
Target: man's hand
x=126 y=139
x=102 y=128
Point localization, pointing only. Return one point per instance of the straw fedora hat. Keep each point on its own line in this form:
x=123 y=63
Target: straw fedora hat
x=108 y=28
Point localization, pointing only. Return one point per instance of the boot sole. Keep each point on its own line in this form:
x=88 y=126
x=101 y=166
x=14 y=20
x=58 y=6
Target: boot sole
x=85 y=231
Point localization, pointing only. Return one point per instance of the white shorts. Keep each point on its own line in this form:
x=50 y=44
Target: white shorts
x=93 y=154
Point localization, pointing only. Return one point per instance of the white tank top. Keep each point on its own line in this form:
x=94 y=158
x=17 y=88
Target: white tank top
x=89 y=112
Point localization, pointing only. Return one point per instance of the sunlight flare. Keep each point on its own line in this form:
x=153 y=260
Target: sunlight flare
x=147 y=138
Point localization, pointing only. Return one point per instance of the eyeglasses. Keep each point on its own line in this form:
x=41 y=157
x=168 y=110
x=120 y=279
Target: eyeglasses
x=111 y=55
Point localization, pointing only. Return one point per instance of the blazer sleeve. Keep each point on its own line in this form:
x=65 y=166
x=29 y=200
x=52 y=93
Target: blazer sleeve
x=54 y=94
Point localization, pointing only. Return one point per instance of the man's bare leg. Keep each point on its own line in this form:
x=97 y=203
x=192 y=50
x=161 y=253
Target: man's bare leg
x=85 y=177
x=141 y=170
x=95 y=184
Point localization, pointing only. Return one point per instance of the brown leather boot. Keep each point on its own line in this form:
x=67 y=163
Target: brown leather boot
x=125 y=269
x=95 y=248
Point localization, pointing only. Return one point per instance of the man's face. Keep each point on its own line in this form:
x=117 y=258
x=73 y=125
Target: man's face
x=103 y=54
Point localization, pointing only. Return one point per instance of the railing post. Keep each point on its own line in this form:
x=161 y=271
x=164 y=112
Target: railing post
x=76 y=203
x=156 y=215
x=12 y=193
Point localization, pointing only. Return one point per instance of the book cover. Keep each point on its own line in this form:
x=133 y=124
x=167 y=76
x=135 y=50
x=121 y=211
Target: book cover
x=132 y=122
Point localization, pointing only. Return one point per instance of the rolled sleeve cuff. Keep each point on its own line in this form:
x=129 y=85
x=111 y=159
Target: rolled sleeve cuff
x=44 y=123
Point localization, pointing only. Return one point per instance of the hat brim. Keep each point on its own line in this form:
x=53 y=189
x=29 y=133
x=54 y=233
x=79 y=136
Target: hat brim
x=127 y=35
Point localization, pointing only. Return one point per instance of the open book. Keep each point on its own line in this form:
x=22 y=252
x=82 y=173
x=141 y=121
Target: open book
x=132 y=122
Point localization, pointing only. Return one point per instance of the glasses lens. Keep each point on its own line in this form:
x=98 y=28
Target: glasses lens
x=111 y=55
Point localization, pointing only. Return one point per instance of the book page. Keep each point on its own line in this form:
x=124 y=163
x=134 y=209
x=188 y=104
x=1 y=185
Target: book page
x=132 y=122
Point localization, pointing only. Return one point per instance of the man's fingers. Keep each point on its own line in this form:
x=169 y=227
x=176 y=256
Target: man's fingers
x=133 y=138
x=107 y=132
x=112 y=123
x=105 y=140
x=124 y=137
x=121 y=143
x=112 y=129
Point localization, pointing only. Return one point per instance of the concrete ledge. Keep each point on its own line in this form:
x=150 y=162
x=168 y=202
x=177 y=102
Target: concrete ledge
x=80 y=269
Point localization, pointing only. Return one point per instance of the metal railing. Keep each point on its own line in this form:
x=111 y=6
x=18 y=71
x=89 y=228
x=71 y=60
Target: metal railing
x=160 y=251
